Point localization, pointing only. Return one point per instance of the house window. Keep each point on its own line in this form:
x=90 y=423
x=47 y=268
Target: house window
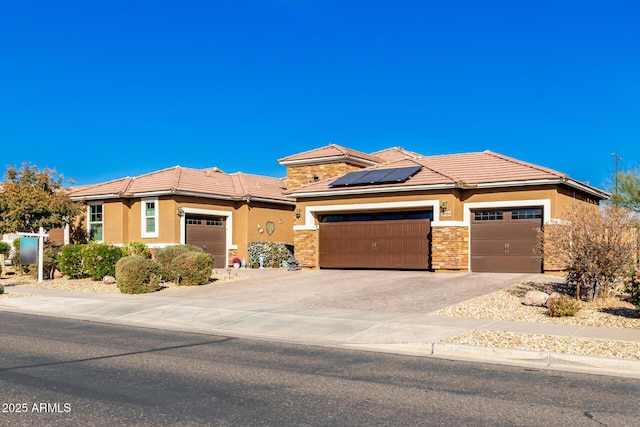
x=149 y=217
x=96 y=222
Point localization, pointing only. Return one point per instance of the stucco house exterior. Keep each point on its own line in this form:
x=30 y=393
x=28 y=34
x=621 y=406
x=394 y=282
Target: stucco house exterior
x=477 y=211
x=209 y=208
x=342 y=208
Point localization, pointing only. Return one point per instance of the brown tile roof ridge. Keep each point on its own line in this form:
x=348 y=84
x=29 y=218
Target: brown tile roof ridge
x=177 y=174
x=331 y=150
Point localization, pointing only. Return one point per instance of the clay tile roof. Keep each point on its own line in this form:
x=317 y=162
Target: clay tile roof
x=449 y=170
x=331 y=152
x=488 y=167
x=207 y=182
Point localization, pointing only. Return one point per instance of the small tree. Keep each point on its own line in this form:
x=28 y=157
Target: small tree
x=596 y=246
x=32 y=198
x=625 y=189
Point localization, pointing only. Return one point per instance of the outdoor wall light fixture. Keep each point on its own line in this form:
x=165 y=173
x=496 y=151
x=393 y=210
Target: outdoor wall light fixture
x=298 y=213
x=444 y=207
x=180 y=212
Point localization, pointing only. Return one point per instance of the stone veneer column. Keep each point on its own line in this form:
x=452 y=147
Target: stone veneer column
x=303 y=175
x=450 y=249
x=305 y=242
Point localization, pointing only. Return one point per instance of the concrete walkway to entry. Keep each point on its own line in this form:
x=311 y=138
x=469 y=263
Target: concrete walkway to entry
x=384 y=311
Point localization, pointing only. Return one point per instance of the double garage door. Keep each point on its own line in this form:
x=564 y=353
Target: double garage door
x=401 y=244
x=209 y=233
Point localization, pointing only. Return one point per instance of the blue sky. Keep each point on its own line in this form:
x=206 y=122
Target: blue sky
x=103 y=90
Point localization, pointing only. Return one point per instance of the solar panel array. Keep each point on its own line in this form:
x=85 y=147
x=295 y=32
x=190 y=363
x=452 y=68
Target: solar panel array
x=376 y=176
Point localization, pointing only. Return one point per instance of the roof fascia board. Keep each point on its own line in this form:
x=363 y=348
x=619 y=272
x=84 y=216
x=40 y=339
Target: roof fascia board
x=368 y=190
x=569 y=182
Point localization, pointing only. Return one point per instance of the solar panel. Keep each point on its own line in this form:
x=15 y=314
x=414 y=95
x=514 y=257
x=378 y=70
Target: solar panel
x=376 y=176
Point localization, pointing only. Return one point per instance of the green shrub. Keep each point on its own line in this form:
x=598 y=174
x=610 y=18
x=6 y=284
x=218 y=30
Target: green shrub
x=165 y=256
x=137 y=275
x=136 y=248
x=273 y=253
x=5 y=249
x=70 y=261
x=632 y=286
x=50 y=260
x=1 y=289
x=192 y=268
x=562 y=306
x=99 y=260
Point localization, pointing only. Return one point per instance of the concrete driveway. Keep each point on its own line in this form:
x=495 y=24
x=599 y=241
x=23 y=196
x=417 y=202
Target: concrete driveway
x=369 y=290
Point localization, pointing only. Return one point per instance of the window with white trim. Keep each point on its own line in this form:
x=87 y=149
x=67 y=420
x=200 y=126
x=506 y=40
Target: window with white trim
x=150 y=217
x=96 y=222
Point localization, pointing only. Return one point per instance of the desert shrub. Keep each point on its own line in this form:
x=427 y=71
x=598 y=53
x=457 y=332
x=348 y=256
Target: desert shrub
x=192 y=268
x=137 y=275
x=5 y=249
x=99 y=260
x=165 y=256
x=632 y=286
x=273 y=253
x=1 y=289
x=563 y=306
x=136 y=248
x=70 y=261
x=50 y=260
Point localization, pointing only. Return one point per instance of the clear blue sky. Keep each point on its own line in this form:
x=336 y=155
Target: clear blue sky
x=100 y=90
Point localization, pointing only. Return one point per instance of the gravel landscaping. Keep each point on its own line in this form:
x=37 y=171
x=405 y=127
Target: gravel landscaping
x=507 y=305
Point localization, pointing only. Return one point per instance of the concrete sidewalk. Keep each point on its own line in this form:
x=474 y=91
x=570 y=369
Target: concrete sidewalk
x=242 y=309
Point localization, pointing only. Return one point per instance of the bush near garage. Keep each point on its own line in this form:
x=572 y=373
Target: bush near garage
x=100 y=260
x=274 y=253
x=192 y=268
x=137 y=275
x=562 y=306
x=165 y=256
x=136 y=248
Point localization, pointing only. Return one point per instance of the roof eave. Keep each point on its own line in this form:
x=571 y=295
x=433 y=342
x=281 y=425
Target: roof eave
x=356 y=191
x=570 y=182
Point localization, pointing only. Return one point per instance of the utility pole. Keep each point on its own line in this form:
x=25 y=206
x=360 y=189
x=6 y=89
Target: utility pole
x=616 y=158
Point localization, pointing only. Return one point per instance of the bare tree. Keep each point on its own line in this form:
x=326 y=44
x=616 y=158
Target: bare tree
x=596 y=247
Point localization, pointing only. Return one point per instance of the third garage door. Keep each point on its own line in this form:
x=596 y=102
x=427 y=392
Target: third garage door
x=402 y=244
x=504 y=240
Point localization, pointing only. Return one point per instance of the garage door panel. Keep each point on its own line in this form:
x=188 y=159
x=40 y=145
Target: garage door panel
x=375 y=244
x=210 y=236
x=505 y=245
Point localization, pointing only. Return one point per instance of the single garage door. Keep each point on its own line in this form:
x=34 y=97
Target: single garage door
x=504 y=240
x=209 y=233
x=401 y=244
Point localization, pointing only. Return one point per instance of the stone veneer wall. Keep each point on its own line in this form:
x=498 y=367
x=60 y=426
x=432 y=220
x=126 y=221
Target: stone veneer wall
x=450 y=248
x=305 y=242
x=302 y=175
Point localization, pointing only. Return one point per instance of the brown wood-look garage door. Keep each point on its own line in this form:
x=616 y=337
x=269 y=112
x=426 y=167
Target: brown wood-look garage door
x=402 y=244
x=209 y=233
x=504 y=240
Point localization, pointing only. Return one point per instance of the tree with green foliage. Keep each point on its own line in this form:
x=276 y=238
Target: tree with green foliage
x=625 y=189
x=31 y=198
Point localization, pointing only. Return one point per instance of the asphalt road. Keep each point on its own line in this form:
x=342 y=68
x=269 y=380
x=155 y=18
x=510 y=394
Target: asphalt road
x=59 y=372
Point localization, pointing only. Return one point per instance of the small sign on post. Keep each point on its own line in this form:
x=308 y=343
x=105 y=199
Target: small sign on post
x=28 y=251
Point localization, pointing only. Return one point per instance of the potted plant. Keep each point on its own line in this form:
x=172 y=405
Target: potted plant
x=236 y=262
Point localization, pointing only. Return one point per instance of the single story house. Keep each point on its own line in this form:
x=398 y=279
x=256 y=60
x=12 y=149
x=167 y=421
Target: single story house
x=342 y=208
x=397 y=209
x=217 y=211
